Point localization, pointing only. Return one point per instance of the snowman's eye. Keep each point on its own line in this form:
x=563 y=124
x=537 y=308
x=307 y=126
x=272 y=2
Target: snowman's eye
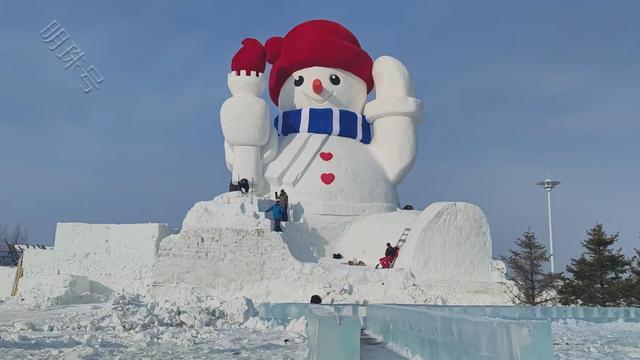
x=298 y=81
x=335 y=79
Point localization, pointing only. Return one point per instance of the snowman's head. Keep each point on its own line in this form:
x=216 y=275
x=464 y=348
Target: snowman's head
x=319 y=63
x=322 y=87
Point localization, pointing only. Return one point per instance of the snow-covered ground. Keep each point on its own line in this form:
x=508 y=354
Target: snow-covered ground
x=131 y=326
x=135 y=326
x=588 y=341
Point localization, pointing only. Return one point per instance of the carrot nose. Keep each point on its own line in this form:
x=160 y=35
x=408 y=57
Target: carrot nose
x=317 y=86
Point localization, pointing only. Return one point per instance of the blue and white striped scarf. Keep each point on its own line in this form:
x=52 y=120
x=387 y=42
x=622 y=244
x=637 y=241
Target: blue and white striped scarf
x=328 y=121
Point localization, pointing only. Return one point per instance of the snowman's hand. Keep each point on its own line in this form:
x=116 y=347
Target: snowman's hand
x=247 y=69
x=391 y=78
x=246 y=83
x=394 y=91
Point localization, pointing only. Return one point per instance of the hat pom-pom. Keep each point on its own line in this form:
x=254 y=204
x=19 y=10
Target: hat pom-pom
x=273 y=46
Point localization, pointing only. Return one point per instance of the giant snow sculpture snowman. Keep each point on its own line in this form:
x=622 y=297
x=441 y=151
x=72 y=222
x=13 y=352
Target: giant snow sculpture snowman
x=340 y=157
x=328 y=147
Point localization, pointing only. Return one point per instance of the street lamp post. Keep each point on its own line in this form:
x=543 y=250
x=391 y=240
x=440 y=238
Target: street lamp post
x=548 y=185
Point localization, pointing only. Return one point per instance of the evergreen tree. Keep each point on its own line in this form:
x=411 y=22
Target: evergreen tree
x=633 y=283
x=533 y=286
x=598 y=275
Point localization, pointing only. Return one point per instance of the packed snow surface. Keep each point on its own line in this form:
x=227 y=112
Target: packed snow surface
x=573 y=339
x=133 y=326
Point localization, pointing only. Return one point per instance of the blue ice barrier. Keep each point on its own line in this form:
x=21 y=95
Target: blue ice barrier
x=432 y=334
x=497 y=321
x=283 y=313
x=332 y=336
x=552 y=313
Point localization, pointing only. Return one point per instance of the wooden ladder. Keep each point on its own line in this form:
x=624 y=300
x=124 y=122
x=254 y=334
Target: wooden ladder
x=401 y=241
x=403 y=237
x=19 y=273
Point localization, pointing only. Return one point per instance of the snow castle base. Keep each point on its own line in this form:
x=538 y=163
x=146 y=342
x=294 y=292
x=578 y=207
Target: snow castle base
x=226 y=249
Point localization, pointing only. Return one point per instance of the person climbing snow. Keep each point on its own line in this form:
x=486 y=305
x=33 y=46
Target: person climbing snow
x=277 y=210
x=243 y=186
x=390 y=255
x=284 y=202
x=390 y=251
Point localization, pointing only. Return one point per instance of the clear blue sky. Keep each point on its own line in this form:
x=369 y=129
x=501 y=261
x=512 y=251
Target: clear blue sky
x=513 y=90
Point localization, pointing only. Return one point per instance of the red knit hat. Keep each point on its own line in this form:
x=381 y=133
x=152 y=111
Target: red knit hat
x=316 y=43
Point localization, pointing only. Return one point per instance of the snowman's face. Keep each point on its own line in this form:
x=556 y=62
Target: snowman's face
x=321 y=87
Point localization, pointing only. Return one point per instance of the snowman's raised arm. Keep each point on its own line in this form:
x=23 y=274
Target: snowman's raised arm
x=244 y=116
x=394 y=114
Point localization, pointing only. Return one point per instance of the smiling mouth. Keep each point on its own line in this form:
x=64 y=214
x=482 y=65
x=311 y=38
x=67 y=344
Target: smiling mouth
x=319 y=102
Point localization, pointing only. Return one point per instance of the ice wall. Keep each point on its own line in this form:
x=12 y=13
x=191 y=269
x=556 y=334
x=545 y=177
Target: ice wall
x=454 y=332
x=331 y=335
x=283 y=313
x=590 y=314
x=446 y=336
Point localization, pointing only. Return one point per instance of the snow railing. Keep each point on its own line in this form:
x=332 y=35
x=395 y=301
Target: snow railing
x=431 y=334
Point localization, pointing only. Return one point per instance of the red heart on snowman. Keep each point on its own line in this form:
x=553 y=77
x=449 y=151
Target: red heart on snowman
x=327 y=178
x=326 y=156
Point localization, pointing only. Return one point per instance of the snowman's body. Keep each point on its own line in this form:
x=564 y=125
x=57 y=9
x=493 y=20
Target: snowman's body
x=329 y=169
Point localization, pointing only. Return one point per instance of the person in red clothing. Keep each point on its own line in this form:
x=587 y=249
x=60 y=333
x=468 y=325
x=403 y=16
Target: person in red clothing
x=390 y=255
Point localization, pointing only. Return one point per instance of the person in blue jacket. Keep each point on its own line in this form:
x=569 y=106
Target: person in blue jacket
x=277 y=210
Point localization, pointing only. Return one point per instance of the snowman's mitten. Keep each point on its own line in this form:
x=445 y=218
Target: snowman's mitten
x=247 y=69
x=251 y=57
x=394 y=91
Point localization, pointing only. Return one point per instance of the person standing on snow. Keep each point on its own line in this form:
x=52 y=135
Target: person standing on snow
x=284 y=202
x=277 y=211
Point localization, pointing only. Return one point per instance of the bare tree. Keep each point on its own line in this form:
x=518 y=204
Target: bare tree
x=4 y=234
x=19 y=235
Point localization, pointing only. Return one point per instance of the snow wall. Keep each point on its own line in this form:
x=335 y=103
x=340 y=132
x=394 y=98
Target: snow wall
x=445 y=233
x=88 y=263
x=7 y=275
x=117 y=256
